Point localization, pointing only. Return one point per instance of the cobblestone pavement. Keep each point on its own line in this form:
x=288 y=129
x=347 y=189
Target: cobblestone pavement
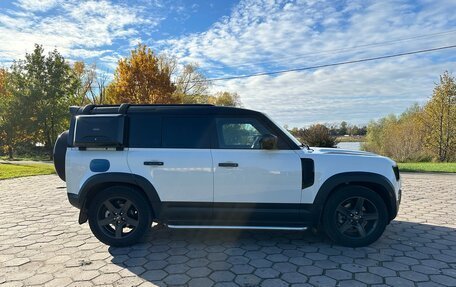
x=42 y=244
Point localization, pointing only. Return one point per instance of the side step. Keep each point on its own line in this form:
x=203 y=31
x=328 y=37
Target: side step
x=235 y=227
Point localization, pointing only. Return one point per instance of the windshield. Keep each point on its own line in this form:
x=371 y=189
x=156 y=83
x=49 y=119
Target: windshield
x=285 y=131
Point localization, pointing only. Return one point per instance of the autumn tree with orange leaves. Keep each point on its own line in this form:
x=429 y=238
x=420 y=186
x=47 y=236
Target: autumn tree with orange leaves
x=147 y=78
x=7 y=122
x=141 y=79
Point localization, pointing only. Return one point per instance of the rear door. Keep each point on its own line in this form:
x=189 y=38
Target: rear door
x=173 y=153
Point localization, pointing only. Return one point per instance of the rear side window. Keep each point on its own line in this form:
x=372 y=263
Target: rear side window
x=186 y=132
x=144 y=131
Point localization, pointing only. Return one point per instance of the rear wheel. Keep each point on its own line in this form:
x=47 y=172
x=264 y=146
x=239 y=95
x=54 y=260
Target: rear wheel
x=355 y=216
x=119 y=216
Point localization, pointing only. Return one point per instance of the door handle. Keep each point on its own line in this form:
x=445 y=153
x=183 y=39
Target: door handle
x=228 y=164
x=158 y=163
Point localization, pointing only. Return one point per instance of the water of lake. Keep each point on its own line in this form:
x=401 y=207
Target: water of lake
x=350 y=145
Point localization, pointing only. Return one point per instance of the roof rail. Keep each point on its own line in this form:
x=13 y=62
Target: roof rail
x=122 y=108
x=176 y=105
x=86 y=109
x=74 y=110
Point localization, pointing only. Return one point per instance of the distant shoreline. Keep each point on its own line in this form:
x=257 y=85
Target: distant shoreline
x=351 y=138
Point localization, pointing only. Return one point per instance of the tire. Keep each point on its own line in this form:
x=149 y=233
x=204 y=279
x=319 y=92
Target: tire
x=114 y=223
x=355 y=216
x=59 y=153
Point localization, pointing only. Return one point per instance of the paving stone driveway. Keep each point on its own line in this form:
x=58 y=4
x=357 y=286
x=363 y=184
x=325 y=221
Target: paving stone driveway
x=42 y=244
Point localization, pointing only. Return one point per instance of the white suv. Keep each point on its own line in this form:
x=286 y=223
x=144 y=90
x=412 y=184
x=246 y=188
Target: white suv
x=204 y=166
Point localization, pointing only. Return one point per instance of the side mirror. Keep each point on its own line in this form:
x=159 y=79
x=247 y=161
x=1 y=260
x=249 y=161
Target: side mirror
x=268 y=141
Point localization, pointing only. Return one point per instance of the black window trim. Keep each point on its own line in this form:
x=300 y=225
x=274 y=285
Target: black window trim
x=288 y=143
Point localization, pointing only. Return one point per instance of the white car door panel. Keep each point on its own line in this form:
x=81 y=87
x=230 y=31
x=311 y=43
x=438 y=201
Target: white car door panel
x=176 y=174
x=245 y=173
x=262 y=176
x=173 y=153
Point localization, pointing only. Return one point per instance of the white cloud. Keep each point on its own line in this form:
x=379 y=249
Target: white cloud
x=86 y=54
x=263 y=35
x=37 y=5
x=111 y=61
x=352 y=93
x=274 y=35
x=80 y=29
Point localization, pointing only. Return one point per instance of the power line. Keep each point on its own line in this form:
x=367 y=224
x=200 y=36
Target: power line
x=331 y=51
x=326 y=65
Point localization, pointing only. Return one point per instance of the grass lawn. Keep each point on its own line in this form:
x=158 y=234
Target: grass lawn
x=9 y=170
x=26 y=158
x=428 y=166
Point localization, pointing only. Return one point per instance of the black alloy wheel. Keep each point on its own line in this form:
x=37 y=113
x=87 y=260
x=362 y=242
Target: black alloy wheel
x=355 y=216
x=119 y=216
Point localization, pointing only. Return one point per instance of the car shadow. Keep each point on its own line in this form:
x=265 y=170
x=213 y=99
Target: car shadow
x=201 y=257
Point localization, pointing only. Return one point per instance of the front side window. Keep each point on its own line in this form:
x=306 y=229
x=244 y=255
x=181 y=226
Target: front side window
x=239 y=133
x=186 y=132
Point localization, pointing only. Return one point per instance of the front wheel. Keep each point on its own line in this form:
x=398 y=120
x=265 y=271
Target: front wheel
x=119 y=216
x=355 y=216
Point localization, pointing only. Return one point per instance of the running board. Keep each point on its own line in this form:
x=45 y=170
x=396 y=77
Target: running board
x=235 y=227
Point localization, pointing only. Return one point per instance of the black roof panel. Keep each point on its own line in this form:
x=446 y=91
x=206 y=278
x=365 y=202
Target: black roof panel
x=182 y=109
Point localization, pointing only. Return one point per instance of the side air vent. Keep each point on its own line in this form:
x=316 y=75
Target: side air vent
x=396 y=172
x=308 y=172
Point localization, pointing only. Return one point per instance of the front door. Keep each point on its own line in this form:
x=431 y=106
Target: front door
x=254 y=186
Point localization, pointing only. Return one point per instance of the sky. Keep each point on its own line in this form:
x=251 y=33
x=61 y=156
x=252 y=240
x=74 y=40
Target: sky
x=232 y=38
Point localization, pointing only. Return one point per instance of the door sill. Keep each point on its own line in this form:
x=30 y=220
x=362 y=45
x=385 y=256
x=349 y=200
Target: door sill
x=235 y=227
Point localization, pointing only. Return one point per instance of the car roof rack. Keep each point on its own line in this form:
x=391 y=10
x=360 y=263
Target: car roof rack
x=175 y=105
x=123 y=108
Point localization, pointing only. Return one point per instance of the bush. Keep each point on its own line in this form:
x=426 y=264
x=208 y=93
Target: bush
x=419 y=134
x=316 y=135
x=401 y=138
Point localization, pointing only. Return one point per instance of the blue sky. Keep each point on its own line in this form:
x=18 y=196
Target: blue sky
x=241 y=37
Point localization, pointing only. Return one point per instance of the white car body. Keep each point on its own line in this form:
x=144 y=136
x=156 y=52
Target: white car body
x=197 y=171
x=219 y=184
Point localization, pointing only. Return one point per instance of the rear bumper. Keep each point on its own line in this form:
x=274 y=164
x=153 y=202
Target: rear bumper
x=74 y=200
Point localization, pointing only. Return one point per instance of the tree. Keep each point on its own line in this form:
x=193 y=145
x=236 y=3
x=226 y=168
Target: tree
x=354 y=131
x=84 y=78
x=440 y=119
x=9 y=121
x=142 y=79
x=317 y=135
x=90 y=84
x=191 y=85
x=225 y=99
x=343 y=128
x=400 y=138
x=43 y=87
x=158 y=79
